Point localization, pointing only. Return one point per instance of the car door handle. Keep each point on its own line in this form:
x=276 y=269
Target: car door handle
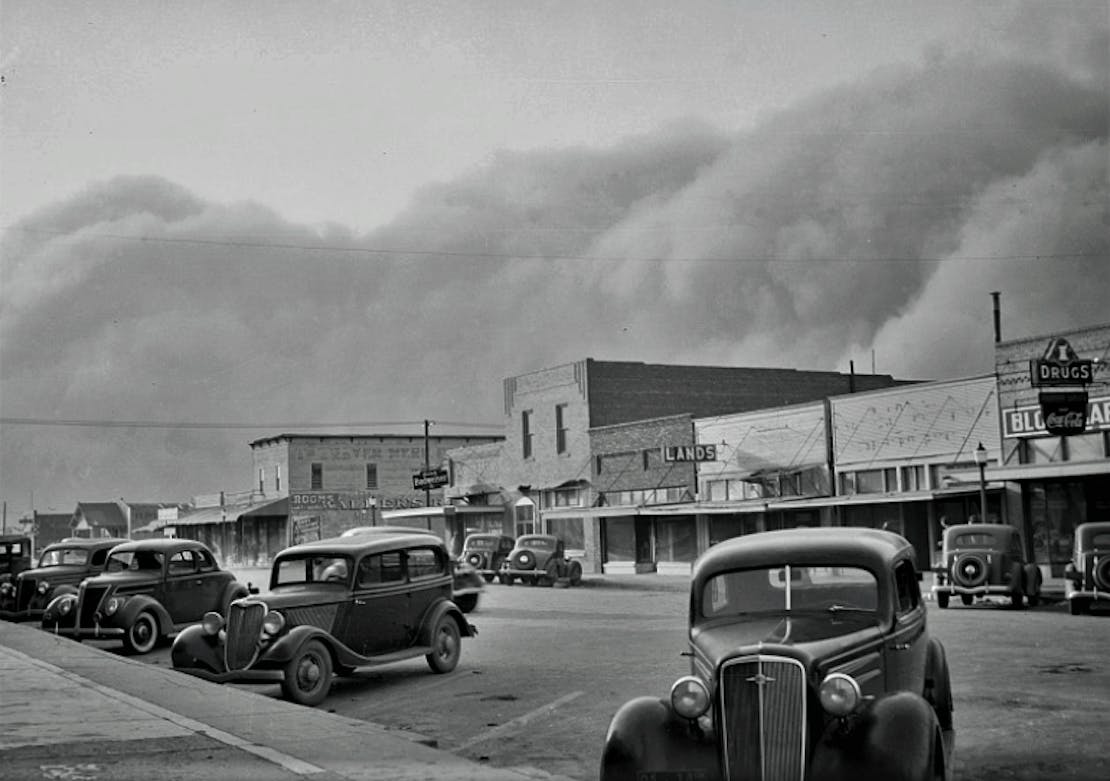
x=360 y=601
x=902 y=646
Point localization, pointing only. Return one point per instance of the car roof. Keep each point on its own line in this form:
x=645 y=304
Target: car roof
x=871 y=548
x=161 y=544
x=1085 y=532
x=86 y=542
x=357 y=544
x=356 y=530
x=1000 y=529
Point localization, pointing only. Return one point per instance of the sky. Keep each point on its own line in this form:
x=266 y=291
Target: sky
x=224 y=221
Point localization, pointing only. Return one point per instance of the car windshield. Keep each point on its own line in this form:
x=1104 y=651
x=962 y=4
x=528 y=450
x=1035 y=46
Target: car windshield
x=543 y=543
x=974 y=540
x=56 y=557
x=313 y=568
x=134 y=560
x=481 y=543
x=790 y=588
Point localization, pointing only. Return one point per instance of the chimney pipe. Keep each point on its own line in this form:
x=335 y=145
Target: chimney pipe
x=997 y=318
x=851 y=376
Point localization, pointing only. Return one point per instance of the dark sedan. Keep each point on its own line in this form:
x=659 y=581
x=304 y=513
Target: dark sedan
x=60 y=570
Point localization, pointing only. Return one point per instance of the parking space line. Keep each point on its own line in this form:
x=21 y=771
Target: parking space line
x=514 y=725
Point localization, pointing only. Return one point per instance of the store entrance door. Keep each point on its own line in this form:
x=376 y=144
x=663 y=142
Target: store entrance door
x=645 y=560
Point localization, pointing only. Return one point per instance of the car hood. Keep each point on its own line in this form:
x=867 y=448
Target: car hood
x=60 y=572
x=300 y=596
x=123 y=579
x=807 y=637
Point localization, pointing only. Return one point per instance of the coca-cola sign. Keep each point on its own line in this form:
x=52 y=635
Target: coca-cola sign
x=1064 y=413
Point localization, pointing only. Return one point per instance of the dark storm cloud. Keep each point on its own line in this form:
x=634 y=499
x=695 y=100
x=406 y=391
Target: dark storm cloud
x=863 y=219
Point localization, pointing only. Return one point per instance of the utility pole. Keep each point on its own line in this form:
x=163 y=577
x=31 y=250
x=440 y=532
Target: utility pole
x=427 y=466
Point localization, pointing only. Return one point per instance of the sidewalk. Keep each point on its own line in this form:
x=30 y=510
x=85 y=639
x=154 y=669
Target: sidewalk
x=75 y=712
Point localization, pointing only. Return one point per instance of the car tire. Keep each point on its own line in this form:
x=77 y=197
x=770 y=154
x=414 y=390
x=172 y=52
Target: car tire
x=1078 y=606
x=967 y=599
x=1102 y=573
x=467 y=602
x=970 y=570
x=306 y=678
x=142 y=636
x=474 y=560
x=487 y=577
x=551 y=573
x=574 y=574
x=942 y=599
x=524 y=560
x=1017 y=600
x=446 y=646
x=506 y=580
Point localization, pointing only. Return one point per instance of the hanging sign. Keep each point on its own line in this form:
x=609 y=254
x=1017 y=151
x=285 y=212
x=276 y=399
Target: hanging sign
x=1064 y=413
x=1060 y=365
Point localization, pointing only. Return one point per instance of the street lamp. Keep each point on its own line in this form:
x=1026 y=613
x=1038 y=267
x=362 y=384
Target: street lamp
x=981 y=460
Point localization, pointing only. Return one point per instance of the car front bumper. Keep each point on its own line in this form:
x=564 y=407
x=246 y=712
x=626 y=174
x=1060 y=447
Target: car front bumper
x=1080 y=593
x=975 y=591
x=238 y=676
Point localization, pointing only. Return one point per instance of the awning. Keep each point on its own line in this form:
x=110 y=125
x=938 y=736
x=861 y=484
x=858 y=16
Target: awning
x=443 y=511
x=1049 y=471
x=227 y=514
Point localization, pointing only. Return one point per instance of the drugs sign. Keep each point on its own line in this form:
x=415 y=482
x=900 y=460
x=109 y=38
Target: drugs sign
x=1061 y=366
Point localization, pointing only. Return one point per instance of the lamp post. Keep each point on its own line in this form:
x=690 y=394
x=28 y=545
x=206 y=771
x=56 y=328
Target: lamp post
x=981 y=460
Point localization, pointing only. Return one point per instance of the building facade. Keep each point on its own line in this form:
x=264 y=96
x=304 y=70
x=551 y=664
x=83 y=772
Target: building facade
x=1059 y=481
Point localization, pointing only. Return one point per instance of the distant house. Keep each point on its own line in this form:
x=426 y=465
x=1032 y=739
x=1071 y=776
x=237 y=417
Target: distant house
x=115 y=519
x=47 y=528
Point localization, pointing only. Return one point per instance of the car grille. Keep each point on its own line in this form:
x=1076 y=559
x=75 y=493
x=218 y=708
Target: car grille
x=244 y=625
x=763 y=718
x=26 y=592
x=87 y=604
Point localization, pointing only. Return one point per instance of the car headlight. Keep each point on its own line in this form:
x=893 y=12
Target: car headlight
x=840 y=694
x=273 y=622
x=43 y=587
x=6 y=589
x=212 y=623
x=112 y=605
x=689 y=697
x=65 y=606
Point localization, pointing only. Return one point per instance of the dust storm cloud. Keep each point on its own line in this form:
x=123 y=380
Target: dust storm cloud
x=871 y=221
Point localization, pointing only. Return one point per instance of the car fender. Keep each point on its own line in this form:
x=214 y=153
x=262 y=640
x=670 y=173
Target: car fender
x=646 y=736
x=431 y=618
x=286 y=647
x=896 y=738
x=52 y=618
x=129 y=611
x=938 y=682
x=232 y=591
x=194 y=647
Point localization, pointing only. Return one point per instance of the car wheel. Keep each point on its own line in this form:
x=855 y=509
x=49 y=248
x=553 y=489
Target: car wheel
x=551 y=573
x=967 y=599
x=487 y=577
x=467 y=602
x=970 y=570
x=307 y=676
x=524 y=560
x=142 y=635
x=1102 y=573
x=1017 y=600
x=474 y=560
x=942 y=599
x=575 y=573
x=506 y=580
x=446 y=647
x=1078 y=606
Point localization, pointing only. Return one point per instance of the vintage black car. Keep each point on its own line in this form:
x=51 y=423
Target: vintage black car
x=60 y=569
x=334 y=605
x=15 y=555
x=149 y=590
x=982 y=560
x=810 y=659
x=467 y=584
x=486 y=551
x=540 y=559
x=1088 y=574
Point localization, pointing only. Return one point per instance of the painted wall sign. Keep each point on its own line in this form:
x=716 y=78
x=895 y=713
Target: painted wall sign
x=690 y=453
x=338 y=500
x=1028 y=421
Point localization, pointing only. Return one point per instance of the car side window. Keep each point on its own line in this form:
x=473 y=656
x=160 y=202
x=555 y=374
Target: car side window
x=1015 y=548
x=98 y=557
x=182 y=562
x=380 y=568
x=905 y=582
x=205 y=562
x=423 y=562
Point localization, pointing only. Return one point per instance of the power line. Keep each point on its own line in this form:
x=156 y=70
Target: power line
x=283 y=426
x=557 y=256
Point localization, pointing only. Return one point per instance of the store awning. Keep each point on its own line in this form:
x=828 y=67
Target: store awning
x=228 y=513
x=442 y=511
x=1048 y=471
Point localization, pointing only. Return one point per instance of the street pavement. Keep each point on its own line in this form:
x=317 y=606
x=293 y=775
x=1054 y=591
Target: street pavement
x=73 y=712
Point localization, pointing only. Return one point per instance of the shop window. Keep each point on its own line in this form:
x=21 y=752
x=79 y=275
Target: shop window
x=570 y=530
x=675 y=540
x=620 y=539
x=870 y=481
x=371 y=477
x=560 y=428
x=913 y=478
x=317 y=479
x=526 y=433
x=524 y=515
x=717 y=490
